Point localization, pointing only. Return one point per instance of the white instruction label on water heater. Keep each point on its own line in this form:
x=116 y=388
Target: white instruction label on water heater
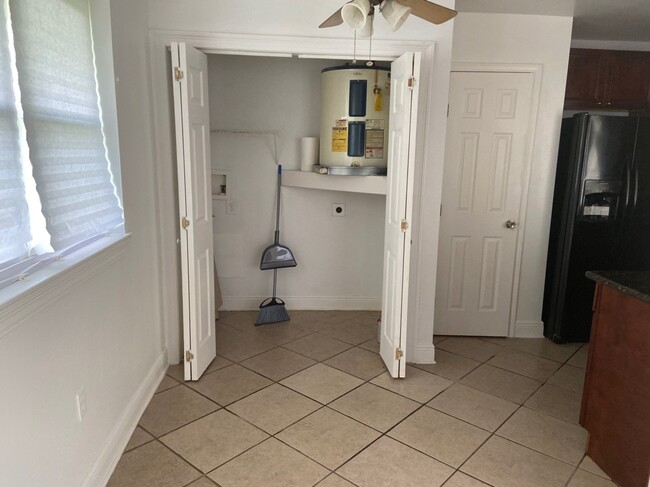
x=374 y=139
x=596 y=211
x=377 y=124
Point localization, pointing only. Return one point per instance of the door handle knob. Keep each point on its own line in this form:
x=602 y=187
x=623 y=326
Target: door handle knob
x=511 y=224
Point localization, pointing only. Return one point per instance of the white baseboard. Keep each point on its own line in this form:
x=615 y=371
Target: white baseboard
x=529 y=329
x=304 y=302
x=103 y=467
x=424 y=354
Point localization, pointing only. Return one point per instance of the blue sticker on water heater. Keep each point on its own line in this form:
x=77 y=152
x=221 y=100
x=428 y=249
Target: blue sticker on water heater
x=358 y=95
x=356 y=139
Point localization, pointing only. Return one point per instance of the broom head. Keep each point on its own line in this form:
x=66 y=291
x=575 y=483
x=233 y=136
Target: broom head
x=272 y=310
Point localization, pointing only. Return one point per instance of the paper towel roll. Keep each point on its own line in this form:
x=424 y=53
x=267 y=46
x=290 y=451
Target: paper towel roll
x=308 y=153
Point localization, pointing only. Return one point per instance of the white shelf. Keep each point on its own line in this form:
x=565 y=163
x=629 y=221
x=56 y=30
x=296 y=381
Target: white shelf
x=350 y=184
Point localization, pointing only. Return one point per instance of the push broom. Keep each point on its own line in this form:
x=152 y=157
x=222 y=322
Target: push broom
x=275 y=257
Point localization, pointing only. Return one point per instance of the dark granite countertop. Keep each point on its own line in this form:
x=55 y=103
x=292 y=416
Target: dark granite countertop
x=632 y=283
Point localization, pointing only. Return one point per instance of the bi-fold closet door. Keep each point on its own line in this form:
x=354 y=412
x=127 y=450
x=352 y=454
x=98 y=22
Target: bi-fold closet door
x=191 y=112
x=191 y=115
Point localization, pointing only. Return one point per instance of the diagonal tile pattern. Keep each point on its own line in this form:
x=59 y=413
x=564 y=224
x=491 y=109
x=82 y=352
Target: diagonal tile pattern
x=328 y=437
x=213 y=440
x=278 y=363
x=274 y=408
x=152 y=465
x=174 y=408
x=308 y=403
x=271 y=464
x=374 y=406
x=229 y=384
x=322 y=383
x=448 y=439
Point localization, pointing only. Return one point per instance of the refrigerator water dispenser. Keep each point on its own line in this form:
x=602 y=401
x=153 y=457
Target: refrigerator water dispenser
x=600 y=201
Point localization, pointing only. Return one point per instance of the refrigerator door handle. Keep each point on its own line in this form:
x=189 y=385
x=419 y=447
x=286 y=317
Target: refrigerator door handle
x=636 y=186
x=627 y=184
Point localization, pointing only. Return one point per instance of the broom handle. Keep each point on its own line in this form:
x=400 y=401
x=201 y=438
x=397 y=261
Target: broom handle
x=277 y=207
x=275 y=280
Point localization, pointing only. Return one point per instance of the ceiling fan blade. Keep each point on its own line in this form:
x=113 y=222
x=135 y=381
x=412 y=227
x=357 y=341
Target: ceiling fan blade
x=334 y=20
x=431 y=12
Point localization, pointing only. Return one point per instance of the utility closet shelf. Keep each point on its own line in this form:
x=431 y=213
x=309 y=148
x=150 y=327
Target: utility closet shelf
x=350 y=184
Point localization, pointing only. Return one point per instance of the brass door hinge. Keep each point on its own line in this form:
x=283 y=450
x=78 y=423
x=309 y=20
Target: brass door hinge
x=188 y=355
x=185 y=223
x=178 y=74
x=404 y=225
x=398 y=353
x=411 y=82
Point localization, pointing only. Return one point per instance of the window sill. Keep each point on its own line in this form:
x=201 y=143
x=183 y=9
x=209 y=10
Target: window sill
x=23 y=299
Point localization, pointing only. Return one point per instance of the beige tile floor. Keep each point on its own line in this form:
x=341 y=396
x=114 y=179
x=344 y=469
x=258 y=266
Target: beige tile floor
x=308 y=402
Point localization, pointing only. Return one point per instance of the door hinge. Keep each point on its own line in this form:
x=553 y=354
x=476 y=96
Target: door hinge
x=411 y=82
x=404 y=225
x=447 y=111
x=398 y=353
x=188 y=355
x=185 y=223
x=178 y=74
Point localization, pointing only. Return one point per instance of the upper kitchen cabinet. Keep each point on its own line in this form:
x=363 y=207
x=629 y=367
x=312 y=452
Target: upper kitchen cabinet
x=600 y=79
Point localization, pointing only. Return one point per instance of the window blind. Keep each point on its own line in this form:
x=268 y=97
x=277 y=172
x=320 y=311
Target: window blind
x=15 y=232
x=57 y=81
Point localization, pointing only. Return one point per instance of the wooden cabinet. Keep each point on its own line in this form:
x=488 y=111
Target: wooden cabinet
x=616 y=394
x=599 y=79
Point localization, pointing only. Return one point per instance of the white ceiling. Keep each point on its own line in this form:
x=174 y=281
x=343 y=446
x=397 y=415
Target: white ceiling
x=614 y=20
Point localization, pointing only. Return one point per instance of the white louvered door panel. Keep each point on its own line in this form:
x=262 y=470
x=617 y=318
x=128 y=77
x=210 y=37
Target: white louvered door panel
x=487 y=136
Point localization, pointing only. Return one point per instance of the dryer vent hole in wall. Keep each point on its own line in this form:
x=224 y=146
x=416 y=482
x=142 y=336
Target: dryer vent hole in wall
x=338 y=209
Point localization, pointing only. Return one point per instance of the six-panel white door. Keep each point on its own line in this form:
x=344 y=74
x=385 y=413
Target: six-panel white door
x=405 y=72
x=487 y=137
x=191 y=113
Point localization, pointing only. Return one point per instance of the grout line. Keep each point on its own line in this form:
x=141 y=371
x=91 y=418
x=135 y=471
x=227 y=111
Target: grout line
x=364 y=381
x=182 y=459
x=571 y=477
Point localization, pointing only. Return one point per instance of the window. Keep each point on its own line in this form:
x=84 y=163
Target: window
x=57 y=191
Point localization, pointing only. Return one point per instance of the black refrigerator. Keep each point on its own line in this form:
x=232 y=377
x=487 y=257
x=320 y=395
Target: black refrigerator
x=601 y=215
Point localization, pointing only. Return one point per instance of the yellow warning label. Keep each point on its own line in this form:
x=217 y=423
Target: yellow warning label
x=339 y=139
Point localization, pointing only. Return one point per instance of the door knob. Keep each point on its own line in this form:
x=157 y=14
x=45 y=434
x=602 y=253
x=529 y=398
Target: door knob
x=511 y=224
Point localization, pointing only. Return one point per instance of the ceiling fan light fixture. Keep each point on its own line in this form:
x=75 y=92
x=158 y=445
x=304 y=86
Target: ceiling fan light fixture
x=395 y=13
x=367 y=30
x=355 y=13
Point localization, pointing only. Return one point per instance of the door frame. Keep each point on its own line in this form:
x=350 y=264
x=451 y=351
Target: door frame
x=536 y=70
x=271 y=46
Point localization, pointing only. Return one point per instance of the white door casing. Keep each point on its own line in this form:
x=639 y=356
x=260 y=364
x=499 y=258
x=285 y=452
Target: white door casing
x=484 y=176
x=191 y=113
x=405 y=72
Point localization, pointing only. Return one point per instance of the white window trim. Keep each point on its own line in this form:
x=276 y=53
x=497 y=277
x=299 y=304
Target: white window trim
x=23 y=299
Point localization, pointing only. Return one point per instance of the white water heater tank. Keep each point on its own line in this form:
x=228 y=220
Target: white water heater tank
x=354 y=116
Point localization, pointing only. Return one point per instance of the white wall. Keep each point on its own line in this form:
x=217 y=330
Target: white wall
x=287 y=18
x=527 y=39
x=104 y=335
x=339 y=258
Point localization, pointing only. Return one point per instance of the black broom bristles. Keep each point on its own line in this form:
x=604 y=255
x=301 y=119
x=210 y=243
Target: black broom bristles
x=272 y=310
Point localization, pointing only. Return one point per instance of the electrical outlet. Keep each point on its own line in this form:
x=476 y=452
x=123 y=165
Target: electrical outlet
x=338 y=209
x=230 y=207
x=82 y=406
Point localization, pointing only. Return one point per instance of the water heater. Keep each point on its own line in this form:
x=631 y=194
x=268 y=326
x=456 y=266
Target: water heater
x=354 y=116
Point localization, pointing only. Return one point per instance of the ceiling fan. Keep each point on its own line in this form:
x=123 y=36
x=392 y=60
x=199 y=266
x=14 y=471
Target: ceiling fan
x=356 y=12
